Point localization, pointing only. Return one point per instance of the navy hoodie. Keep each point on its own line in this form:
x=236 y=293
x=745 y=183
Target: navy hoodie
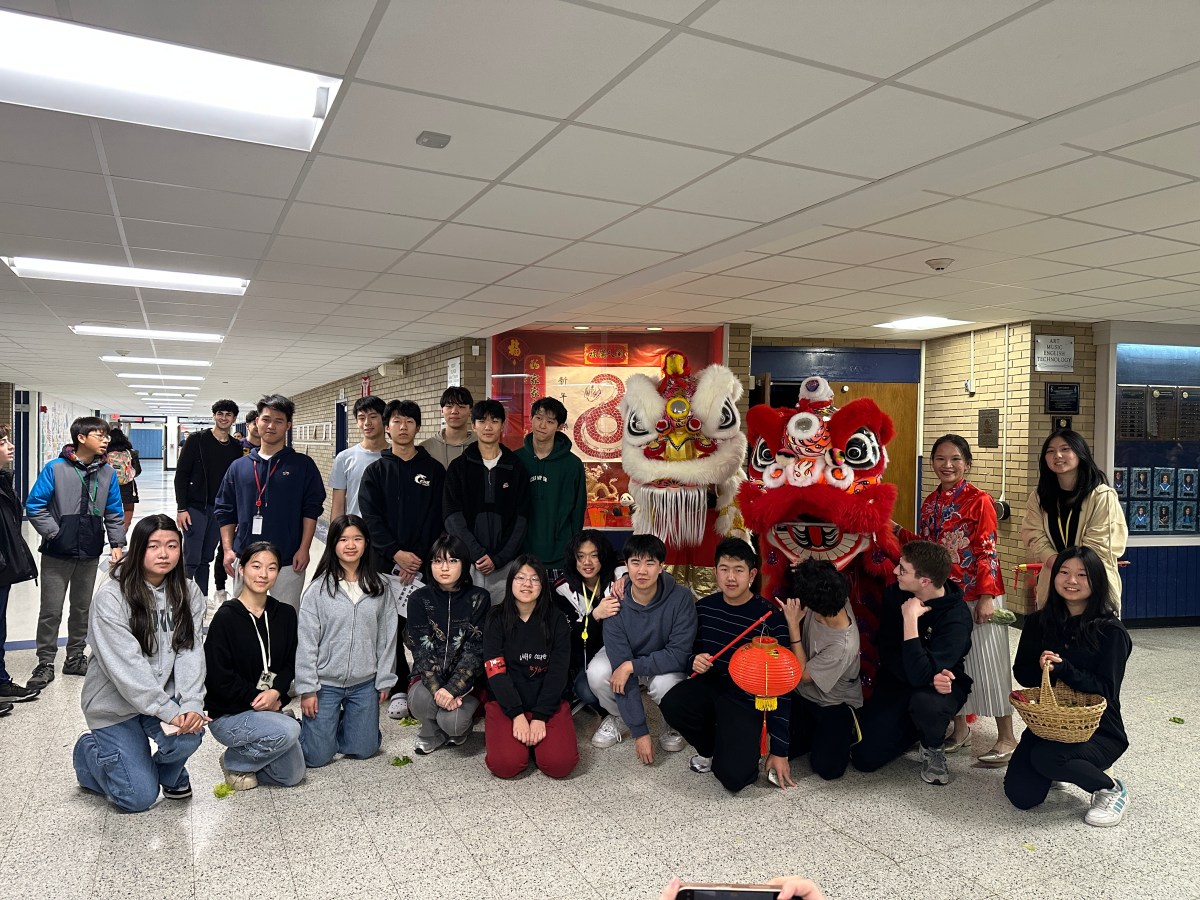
x=292 y=491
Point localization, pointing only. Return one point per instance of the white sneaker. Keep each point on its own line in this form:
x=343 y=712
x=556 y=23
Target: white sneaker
x=611 y=731
x=1108 y=807
x=671 y=740
x=239 y=781
x=398 y=708
x=220 y=597
x=701 y=765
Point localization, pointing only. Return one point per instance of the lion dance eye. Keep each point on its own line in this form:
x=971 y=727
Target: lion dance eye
x=862 y=450
x=763 y=457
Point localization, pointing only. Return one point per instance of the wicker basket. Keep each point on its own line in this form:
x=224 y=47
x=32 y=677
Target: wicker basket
x=1060 y=713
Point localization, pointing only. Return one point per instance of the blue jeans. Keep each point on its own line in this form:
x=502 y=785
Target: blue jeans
x=347 y=722
x=266 y=743
x=583 y=690
x=201 y=541
x=116 y=761
x=4 y=676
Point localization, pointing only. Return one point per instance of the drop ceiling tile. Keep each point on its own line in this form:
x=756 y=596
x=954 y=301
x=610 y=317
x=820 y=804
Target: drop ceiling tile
x=1189 y=232
x=380 y=124
x=799 y=239
x=451 y=49
x=909 y=308
x=709 y=94
x=37 y=221
x=785 y=268
x=1002 y=295
x=868 y=213
x=591 y=257
x=455 y=268
x=41 y=137
x=1062 y=54
x=193 y=262
x=1099 y=310
x=1010 y=169
x=363 y=185
x=936 y=286
x=1153 y=123
x=742 y=308
x=1083 y=280
x=517 y=296
x=541 y=212
x=424 y=287
x=194 y=160
x=49 y=248
x=1043 y=236
x=1164 y=266
x=302 y=274
x=54 y=188
x=355 y=226
x=860 y=318
x=1138 y=313
x=800 y=293
x=193 y=206
x=612 y=166
x=330 y=253
x=728 y=286
x=487 y=309
x=859 y=247
x=858 y=301
x=883 y=42
x=260 y=286
x=760 y=191
x=964 y=258
x=847 y=139
x=547 y=279
x=1178 y=150
x=194 y=239
x=662 y=229
x=414 y=303
x=667 y=10
x=1015 y=271
x=1153 y=287
x=862 y=278
x=954 y=220
x=1161 y=209
x=1089 y=182
x=673 y=300
x=491 y=244
x=1118 y=250
x=728 y=262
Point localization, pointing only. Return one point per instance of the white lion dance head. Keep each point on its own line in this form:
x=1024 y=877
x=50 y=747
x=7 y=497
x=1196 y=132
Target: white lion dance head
x=682 y=439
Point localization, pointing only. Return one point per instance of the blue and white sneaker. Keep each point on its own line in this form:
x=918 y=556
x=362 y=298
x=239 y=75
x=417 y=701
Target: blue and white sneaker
x=1108 y=807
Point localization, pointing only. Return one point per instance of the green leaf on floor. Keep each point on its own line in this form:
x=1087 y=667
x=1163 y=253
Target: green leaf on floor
x=401 y=760
x=1031 y=848
x=221 y=790
x=1175 y=720
x=409 y=720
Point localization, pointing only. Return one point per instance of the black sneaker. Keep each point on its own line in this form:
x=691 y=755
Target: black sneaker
x=5 y=709
x=178 y=793
x=11 y=692
x=43 y=674
x=76 y=665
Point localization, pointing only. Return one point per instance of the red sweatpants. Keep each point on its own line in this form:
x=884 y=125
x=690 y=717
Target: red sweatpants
x=556 y=755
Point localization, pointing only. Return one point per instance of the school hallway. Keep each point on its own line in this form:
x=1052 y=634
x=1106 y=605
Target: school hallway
x=442 y=826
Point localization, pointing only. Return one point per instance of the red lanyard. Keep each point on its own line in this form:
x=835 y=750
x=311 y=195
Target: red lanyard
x=271 y=467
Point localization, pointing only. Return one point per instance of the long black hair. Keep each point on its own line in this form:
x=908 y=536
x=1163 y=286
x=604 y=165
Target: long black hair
x=604 y=549
x=1057 y=621
x=543 y=611
x=330 y=570
x=1088 y=475
x=449 y=547
x=118 y=440
x=137 y=593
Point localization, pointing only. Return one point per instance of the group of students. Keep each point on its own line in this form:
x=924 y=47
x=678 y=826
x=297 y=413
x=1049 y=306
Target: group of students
x=418 y=564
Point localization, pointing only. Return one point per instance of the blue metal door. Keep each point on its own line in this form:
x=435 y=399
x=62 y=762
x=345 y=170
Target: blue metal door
x=148 y=442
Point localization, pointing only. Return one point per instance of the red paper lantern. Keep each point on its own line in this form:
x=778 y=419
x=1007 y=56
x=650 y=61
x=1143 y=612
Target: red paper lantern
x=765 y=670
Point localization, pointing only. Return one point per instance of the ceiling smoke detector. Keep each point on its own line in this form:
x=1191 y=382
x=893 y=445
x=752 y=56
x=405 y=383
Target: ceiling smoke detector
x=433 y=139
x=939 y=265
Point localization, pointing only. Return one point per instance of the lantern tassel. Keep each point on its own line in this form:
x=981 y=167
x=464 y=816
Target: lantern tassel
x=762 y=741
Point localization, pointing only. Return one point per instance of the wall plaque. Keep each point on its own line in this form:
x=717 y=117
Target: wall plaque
x=1189 y=414
x=1062 y=399
x=1054 y=353
x=1131 y=412
x=989 y=428
x=1162 y=416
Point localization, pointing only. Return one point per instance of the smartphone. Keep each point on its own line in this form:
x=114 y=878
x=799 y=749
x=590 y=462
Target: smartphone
x=727 y=892
x=169 y=729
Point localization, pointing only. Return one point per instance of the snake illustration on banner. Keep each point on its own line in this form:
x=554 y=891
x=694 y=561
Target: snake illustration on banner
x=598 y=429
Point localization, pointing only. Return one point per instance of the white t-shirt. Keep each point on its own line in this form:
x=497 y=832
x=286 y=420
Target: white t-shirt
x=353 y=591
x=491 y=463
x=348 y=468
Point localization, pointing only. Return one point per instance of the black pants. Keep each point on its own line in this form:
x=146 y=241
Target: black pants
x=718 y=723
x=897 y=716
x=403 y=671
x=1036 y=762
x=826 y=733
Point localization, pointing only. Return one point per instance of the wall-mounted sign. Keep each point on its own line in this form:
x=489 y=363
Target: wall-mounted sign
x=1054 y=353
x=989 y=428
x=1062 y=399
x=454 y=372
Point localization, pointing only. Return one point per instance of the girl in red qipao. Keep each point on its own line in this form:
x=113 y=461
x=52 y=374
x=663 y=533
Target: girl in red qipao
x=961 y=518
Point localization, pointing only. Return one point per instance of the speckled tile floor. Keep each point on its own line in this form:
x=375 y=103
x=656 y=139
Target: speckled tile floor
x=444 y=827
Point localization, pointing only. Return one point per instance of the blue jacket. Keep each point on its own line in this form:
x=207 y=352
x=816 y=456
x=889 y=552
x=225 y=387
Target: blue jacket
x=292 y=491
x=72 y=505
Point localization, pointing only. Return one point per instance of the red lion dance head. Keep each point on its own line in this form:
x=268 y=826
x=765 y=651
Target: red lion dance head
x=816 y=490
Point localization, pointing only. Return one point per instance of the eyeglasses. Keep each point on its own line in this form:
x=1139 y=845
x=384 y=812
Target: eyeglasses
x=446 y=561
x=526 y=579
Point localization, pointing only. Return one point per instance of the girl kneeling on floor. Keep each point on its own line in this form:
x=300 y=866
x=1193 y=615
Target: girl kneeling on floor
x=527 y=652
x=445 y=633
x=346 y=648
x=251 y=656
x=145 y=681
x=1078 y=635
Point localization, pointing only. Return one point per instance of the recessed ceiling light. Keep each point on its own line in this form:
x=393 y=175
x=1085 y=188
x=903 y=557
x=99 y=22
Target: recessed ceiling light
x=128 y=276
x=164 y=377
x=52 y=64
x=165 y=387
x=154 y=361
x=582 y=327
x=149 y=334
x=654 y=328
x=922 y=323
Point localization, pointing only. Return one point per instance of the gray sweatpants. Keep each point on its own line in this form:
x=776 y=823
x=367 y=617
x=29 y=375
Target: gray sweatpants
x=495 y=584
x=434 y=719
x=57 y=574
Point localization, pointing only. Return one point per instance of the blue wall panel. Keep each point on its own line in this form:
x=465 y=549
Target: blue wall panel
x=148 y=442
x=1161 y=582
x=838 y=364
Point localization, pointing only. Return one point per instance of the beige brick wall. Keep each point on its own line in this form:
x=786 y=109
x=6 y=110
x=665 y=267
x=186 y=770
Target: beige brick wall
x=423 y=380
x=739 y=362
x=948 y=408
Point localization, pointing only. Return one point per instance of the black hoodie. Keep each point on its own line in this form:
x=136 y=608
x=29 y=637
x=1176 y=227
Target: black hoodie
x=943 y=639
x=401 y=502
x=233 y=655
x=488 y=509
x=16 y=559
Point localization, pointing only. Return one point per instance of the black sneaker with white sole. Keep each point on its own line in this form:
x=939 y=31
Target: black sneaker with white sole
x=178 y=793
x=75 y=665
x=11 y=692
x=5 y=709
x=43 y=674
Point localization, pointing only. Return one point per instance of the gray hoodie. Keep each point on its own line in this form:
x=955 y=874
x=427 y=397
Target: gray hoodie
x=342 y=643
x=122 y=682
x=444 y=453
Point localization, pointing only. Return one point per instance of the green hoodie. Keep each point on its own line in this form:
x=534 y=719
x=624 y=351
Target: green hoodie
x=558 y=497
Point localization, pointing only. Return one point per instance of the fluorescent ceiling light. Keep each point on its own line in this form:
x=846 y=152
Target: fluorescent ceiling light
x=128 y=276
x=164 y=387
x=149 y=334
x=922 y=323
x=654 y=328
x=165 y=394
x=143 y=393
x=154 y=361
x=165 y=377
x=52 y=64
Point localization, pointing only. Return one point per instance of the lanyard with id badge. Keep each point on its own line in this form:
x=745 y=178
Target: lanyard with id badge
x=267 y=679
x=256 y=524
